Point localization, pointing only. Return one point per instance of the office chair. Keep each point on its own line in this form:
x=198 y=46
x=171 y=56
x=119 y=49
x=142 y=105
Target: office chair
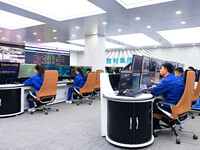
x=97 y=83
x=48 y=91
x=195 y=98
x=86 y=91
x=179 y=111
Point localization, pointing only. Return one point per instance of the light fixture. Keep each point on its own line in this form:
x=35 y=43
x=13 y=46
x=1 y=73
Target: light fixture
x=0 y=31
x=119 y=30
x=34 y=33
x=148 y=27
x=104 y=23
x=137 y=18
x=24 y=41
x=55 y=38
x=3 y=38
x=181 y=36
x=38 y=40
x=81 y=41
x=62 y=10
x=193 y=44
x=139 y=3
x=155 y=46
x=77 y=27
x=18 y=36
x=178 y=12
x=54 y=31
x=73 y=35
x=138 y=39
x=183 y=22
x=20 y=21
x=112 y=45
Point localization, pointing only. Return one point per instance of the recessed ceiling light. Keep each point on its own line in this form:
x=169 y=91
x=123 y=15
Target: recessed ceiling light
x=3 y=38
x=178 y=12
x=155 y=46
x=137 y=18
x=0 y=31
x=148 y=27
x=119 y=30
x=181 y=36
x=20 y=21
x=34 y=33
x=54 y=31
x=38 y=40
x=55 y=38
x=193 y=44
x=81 y=41
x=139 y=3
x=183 y=22
x=24 y=41
x=73 y=35
x=18 y=36
x=63 y=10
x=104 y=23
x=112 y=45
x=77 y=27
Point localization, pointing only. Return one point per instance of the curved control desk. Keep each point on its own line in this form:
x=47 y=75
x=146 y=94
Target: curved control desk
x=126 y=121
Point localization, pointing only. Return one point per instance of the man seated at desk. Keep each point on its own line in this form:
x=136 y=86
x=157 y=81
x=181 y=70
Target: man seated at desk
x=179 y=73
x=170 y=87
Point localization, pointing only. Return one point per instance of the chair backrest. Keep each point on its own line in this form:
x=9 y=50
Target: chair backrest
x=49 y=86
x=97 y=84
x=89 y=84
x=197 y=90
x=184 y=105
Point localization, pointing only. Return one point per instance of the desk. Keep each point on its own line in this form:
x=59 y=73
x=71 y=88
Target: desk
x=126 y=121
x=13 y=97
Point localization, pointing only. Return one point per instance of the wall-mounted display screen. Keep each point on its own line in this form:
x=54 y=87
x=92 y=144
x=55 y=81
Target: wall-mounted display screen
x=26 y=70
x=137 y=63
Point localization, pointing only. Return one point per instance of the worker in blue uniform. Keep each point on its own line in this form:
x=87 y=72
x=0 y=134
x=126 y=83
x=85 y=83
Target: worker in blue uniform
x=171 y=88
x=87 y=71
x=196 y=73
x=79 y=82
x=179 y=73
x=36 y=82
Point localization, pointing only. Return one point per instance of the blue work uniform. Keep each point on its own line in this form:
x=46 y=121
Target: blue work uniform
x=196 y=76
x=171 y=88
x=36 y=82
x=78 y=81
x=181 y=77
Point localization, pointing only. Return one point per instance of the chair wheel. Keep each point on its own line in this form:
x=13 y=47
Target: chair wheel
x=195 y=137
x=199 y=114
x=46 y=113
x=193 y=117
x=89 y=103
x=77 y=104
x=155 y=134
x=178 y=141
x=57 y=110
x=31 y=113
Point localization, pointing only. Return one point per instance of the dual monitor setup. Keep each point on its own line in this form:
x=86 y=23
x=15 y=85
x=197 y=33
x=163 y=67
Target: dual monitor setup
x=11 y=72
x=144 y=72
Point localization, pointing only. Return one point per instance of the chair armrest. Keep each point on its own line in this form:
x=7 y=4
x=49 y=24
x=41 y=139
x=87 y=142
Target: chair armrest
x=32 y=95
x=160 y=103
x=76 y=89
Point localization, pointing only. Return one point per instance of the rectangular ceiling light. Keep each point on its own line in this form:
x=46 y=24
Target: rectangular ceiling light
x=62 y=46
x=58 y=10
x=181 y=36
x=12 y=21
x=136 y=40
x=139 y=3
x=108 y=45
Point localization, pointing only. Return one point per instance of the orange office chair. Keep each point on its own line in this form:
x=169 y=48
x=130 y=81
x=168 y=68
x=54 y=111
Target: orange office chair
x=179 y=111
x=48 y=91
x=87 y=90
x=97 y=83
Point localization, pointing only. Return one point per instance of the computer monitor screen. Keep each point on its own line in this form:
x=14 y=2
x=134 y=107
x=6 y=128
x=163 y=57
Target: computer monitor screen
x=26 y=70
x=126 y=81
x=84 y=70
x=181 y=65
x=9 y=68
x=64 y=70
x=145 y=81
x=114 y=81
x=154 y=76
x=136 y=80
x=157 y=76
x=137 y=63
x=153 y=64
x=158 y=65
x=73 y=71
x=49 y=67
x=145 y=63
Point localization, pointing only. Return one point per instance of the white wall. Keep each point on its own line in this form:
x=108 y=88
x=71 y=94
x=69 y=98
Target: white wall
x=73 y=58
x=80 y=58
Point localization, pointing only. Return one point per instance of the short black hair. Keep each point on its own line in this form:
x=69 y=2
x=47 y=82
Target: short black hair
x=169 y=67
x=192 y=68
x=179 y=69
x=88 y=69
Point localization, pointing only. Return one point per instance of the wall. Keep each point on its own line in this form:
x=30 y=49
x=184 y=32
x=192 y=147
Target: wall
x=73 y=58
x=190 y=56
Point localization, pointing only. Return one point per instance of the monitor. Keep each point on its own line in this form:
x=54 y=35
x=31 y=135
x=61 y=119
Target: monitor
x=26 y=70
x=136 y=80
x=8 y=68
x=154 y=76
x=73 y=71
x=158 y=65
x=85 y=68
x=145 y=63
x=145 y=81
x=181 y=65
x=126 y=81
x=153 y=63
x=49 y=67
x=114 y=81
x=137 y=63
x=64 y=70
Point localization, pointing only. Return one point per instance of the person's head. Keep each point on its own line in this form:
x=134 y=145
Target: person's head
x=88 y=70
x=191 y=68
x=178 y=71
x=166 y=69
x=39 y=69
x=78 y=70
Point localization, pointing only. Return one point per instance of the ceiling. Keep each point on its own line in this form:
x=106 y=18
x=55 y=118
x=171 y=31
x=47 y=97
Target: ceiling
x=159 y=16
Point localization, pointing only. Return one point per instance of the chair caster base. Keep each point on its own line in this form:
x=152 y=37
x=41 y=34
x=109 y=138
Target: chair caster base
x=178 y=141
x=195 y=137
x=57 y=109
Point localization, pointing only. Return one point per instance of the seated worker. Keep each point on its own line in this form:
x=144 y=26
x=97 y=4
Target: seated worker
x=196 y=73
x=170 y=87
x=79 y=82
x=36 y=82
x=88 y=71
x=179 y=73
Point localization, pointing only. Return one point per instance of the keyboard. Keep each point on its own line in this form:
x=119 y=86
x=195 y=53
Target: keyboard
x=131 y=93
